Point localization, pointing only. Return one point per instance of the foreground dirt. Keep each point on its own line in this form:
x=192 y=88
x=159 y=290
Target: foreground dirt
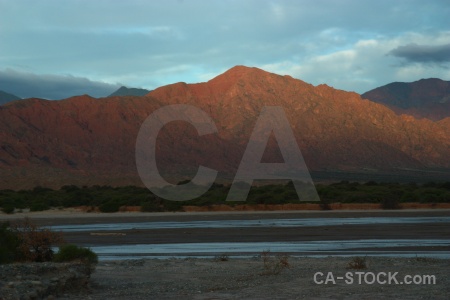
x=250 y=279
x=42 y=280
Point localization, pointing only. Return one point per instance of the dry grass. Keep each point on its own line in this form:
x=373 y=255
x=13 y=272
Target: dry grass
x=221 y=257
x=357 y=263
x=273 y=265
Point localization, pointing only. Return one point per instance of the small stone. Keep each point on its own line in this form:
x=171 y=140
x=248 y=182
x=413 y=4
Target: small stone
x=36 y=282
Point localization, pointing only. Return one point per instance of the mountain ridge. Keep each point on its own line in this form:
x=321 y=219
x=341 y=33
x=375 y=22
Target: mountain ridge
x=125 y=91
x=87 y=141
x=424 y=98
x=6 y=97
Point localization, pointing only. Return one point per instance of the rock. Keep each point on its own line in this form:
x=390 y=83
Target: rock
x=54 y=278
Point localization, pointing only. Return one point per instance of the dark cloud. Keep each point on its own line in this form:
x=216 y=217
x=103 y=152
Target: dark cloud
x=28 y=85
x=423 y=53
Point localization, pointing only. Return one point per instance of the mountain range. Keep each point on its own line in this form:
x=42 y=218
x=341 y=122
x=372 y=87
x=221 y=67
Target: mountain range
x=124 y=91
x=426 y=98
x=7 y=97
x=86 y=141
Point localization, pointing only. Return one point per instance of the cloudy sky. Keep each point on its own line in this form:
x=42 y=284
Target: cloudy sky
x=54 y=49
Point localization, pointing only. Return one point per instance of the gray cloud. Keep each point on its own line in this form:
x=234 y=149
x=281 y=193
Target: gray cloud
x=152 y=43
x=27 y=85
x=423 y=53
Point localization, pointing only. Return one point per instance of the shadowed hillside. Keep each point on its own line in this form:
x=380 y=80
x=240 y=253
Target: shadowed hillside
x=426 y=98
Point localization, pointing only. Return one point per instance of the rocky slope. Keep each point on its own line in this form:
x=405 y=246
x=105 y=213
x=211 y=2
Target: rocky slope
x=83 y=140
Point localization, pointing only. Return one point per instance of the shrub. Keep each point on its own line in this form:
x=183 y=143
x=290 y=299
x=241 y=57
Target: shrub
x=8 y=209
x=357 y=263
x=150 y=206
x=70 y=252
x=9 y=242
x=221 y=257
x=410 y=197
x=446 y=185
x=35 y=243
x=371 y=183
x=110 y=206
x=274 y=265
x=39 y=206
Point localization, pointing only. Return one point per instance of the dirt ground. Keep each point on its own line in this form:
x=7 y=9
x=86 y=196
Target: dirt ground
x=252 y=279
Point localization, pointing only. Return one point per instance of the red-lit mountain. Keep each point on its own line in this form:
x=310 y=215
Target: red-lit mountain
x=426 y=98
x=86 y=141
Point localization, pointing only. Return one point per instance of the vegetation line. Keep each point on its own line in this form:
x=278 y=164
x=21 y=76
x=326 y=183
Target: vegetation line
x=111 y=199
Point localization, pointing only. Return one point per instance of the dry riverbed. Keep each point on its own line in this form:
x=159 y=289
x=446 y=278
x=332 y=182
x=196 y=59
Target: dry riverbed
x=252 y=279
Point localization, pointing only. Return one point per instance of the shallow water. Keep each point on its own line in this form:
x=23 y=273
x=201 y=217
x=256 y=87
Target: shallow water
x=422 y=254
x=252 y=223
x=311 y=249
x=304 y=248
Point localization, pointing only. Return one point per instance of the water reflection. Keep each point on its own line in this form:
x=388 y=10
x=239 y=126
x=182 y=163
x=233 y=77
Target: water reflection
x=309 y=248
x=252 y=223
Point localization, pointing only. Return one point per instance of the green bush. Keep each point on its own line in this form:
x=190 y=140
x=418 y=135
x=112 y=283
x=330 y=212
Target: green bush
x=8 y=209
x=410 y=197
x=150 y=206
x=9 y=243
x=70 y=252
x=35 y=243
x=39 y=206
x=110 y=206
x=110 y=199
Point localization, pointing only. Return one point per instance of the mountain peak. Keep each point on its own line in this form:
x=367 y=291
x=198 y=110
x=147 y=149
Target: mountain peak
x=239 y=71
x=240 y=76
x=124 y=91
x=432 y=79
